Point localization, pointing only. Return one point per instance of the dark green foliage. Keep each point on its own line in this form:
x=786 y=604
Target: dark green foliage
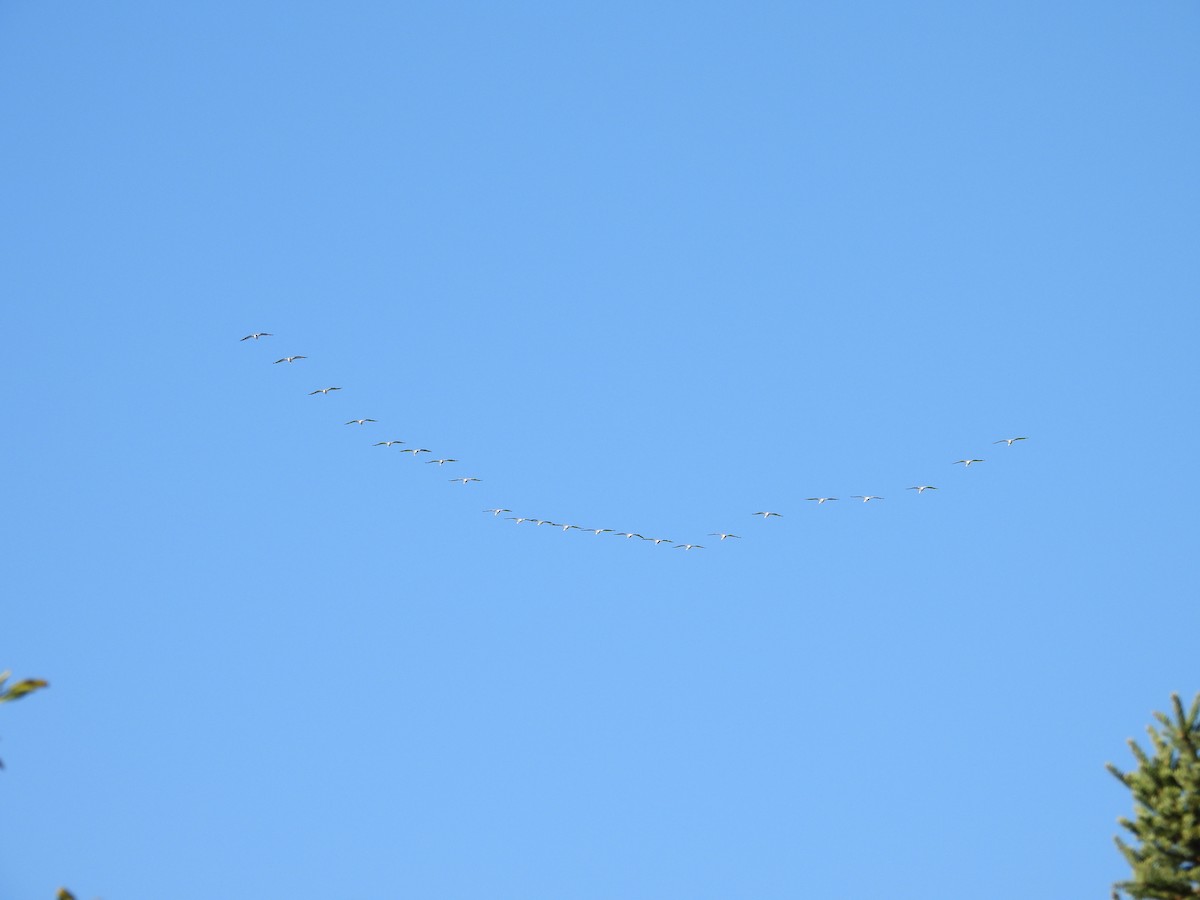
x=1166 y=795
x=18 y=690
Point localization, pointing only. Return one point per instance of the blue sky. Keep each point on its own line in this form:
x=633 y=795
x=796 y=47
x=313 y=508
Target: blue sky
x=637 y=267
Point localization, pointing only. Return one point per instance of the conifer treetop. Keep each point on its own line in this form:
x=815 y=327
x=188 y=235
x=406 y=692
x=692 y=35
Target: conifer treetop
x=1166 y=796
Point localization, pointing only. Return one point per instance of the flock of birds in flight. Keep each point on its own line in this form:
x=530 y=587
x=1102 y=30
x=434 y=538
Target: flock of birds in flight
x=628 y=535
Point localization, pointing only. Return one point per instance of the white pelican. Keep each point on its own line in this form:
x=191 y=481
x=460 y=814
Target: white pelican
x=921 y=488
x=257 y=335
x=440 y=462
x=966 y=462
x=387 y=443
x=598 y=530
x=361 y=421
x=462 y=480
x=722 y=535
x=415 y=450
x=517 y=519
x=568 y=527
x=658 y=541
x=767 y=515
x=865 y=499
x=690 y=547
x=537 y=522
x=631 y=534
x=820 y=500
x=323 y=391
x=286 y=359
x=497 y=511
x=1008 y=441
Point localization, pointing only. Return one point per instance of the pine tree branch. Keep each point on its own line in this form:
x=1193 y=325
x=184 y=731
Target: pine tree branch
x=1166 y=794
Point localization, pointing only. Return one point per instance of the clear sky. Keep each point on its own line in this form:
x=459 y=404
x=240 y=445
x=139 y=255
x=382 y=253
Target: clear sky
x=648 y=267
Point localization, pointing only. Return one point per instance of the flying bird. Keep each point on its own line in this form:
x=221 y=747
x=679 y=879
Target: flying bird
x=517 y=519
x=543 y=522
x=257 y=335
x=820 y=500
x=767 y=515
x=630 y=534
x=568 y=527
x=497 y=511
x=323 y=391
x=722 y=535
x=966 y=462
x=658 y=541
x=286 y=359
x=598 y=530
x=865 y=499
x=461 y=480
x=415 y=450
x=387 y=443
x=1008 y=441
x=921 y=488
x=361 y=421
x=440 y=462
x=690 y=547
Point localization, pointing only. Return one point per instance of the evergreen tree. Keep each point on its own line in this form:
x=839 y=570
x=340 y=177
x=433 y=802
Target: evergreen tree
x=1166 y=795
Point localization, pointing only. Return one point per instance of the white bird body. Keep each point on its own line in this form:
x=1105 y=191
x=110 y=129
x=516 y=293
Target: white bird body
x=658 y=541
x=767 y=515
x=286 y=359
x=921 y=488
x=497 y=511
x=324 y=390
x=690 y=547
x=1009 y=441
x=966 y=462
x=630 y=534
x=440 y=462
x=415 y=451
x=865 y=499
x=598 y=530
x=821 y=500
x=722 y=535
x=361 y=421
x=388 y=443
x=462 y=480
x=257 y=335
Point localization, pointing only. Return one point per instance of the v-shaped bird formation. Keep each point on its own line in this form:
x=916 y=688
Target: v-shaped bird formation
x=494 y=512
